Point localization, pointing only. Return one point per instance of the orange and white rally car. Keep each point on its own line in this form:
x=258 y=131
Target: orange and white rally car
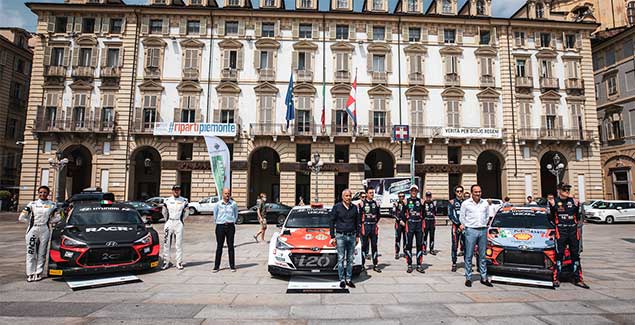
x=302 y=246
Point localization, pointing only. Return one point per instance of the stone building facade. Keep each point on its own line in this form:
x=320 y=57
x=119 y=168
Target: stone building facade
x=489 y=100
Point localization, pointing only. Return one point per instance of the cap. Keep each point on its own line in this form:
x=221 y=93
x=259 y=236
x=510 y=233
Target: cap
x=564 y=186
x=428 y=193
x=176 y=187
x=414 y=186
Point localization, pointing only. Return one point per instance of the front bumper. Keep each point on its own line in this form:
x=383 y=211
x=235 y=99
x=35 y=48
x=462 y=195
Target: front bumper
x=59 y=270
x=276 y=270
x=516 y=271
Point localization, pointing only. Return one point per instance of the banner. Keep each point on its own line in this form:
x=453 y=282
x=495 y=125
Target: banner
x=195 y=129
x=474 y=133
x=220 y=163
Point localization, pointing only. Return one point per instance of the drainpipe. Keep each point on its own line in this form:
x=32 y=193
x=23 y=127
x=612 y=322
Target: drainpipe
x=209 y=67
x=131 y=98
x=399 y=78
x=511 y=91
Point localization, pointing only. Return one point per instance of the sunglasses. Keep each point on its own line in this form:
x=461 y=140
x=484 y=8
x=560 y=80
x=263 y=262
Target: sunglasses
x=459 y=191
x=402 y=196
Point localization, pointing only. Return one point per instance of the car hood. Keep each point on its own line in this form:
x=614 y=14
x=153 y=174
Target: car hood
x=308 y=238
x=96 y=234
x=525 y=237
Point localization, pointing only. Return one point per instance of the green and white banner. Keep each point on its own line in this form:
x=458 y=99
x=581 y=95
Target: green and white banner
x=219 y=160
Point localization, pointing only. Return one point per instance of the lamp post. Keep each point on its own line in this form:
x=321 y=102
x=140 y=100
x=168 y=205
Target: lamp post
x=556 y=168
x=58 y=164
x=315 y=164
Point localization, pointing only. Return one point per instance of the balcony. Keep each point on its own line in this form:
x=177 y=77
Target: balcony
x=56 y=71
x=524 y=82
x=415 y=79
x=84 y=72
x=143 y=127
x=379 y=77
x=266 y=75
x=452 y=80
x=549 y=83
x=152 y=73
x=110 y=72
x=574 y=84
x=74 y=126
x=190 y=74
x=229 y=74
x=343 y=76
x=304 y=75
x=376 y=131
x=555 y=134
x=488 y=81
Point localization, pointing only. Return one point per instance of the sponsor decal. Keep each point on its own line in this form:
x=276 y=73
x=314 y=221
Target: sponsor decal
x=195 y=129
x=480 y=133
x=523 y=236
x=55 y=272
x=113 y=228
x=154 y=264
x=308 y=237
x=321 y=237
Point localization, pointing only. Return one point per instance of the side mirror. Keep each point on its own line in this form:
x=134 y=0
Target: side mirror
x=286 y=232
x=618 y=208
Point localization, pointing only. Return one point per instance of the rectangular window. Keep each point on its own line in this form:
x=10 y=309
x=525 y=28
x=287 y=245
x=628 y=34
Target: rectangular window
x=379 y=63
x=231 y=28
x=267 y=30
x=233 y=3
x=108 y=117
x=417 y=113
x=191 y=59
x=545 y=71
x=519 y=38
x=341 y=116
x=306 y=30
x=545 y=39
x=454 y=155
x=449 y=36
x=341 y=153
x=379 y=122
x=88 y=25
x=185 y=151
x=303 y=119
x=116 y=25
x=156 y=26
x=17 y=90
x=484 y=37
x=266 y=109
x=576 y=116
x=57 y=56
x=572 y=70
x=51 y=115
x=379 y=33
x=12 y=124
x=570 y=41
x=525 y=115
x=302 y=152
x=551 y=117
x=452 y=65
x=193 y=27
x=233 y=60
x=112 y=58
x=412 y=6
x=84 y=57
x=487 y=67
x=611 y=85
x=149 y=111
x=269 y=3
x=307 y=4
x=341 y=32
x=188 y=110
x=342 y=4
x=60 y=24
x=521 y=68
x=414 y=34
x=154 y=56
x=446 y=7
x=489 y=115
x=610 y=56
x=454 y=119
x=264 y=60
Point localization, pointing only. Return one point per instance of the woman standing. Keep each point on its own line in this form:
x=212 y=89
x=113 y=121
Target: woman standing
x=261 y=210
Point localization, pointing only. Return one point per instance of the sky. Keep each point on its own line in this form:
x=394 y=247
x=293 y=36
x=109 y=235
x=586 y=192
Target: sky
x=13 y=13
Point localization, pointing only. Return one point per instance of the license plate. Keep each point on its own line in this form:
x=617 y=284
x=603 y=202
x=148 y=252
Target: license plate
x=56 y=272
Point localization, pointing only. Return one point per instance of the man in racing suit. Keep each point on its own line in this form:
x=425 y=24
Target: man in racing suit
x=413 y=217
x=565 y=216
x=453 y=214
x=38 y=214
x=369 y=227
x=398 y=210
x=175 y=211
x=429 y=209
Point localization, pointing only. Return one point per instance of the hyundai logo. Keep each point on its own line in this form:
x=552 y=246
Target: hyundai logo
x=315 y=249
x=523 y=247
x=112 y=244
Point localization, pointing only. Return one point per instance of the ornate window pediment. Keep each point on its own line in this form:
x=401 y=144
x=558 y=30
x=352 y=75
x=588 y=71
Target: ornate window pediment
x=453 y=92
x=379 y=90
x=342 y=47
x=86 y=40
x=417 y=91
x=151 y=85
x=228 y=88
x=485 y=51
x=341 y=89
x=449 y=50
x=81 y=85
x=488 y=93
x=265 y=43
x=304 y=89
x=415 y=49
x=230 y=44
x=547 y=54
x=550 y=95
x=192 y=43
x=266 y=88
x=153 y=42
x=378 y=48
x=189 y=86
x=305 y=45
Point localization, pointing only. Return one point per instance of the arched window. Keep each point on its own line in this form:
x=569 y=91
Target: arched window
x=540 y=10
x=630 y=7
x=480 y=7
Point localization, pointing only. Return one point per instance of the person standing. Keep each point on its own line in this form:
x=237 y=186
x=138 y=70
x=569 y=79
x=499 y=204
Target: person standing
x=344 y=225
x=530 y=200
x=175 y=211
x=565 y=214
x=38 y=214
x=506 y=202
x=262 y=217
x=413 y=218
x=400 y=226
x=474 y=217
x=369 y=232
x=453 y=214
x=225 y=216
x=430 y=210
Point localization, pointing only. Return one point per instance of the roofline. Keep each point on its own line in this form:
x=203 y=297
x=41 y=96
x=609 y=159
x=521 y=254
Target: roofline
x=608 y=40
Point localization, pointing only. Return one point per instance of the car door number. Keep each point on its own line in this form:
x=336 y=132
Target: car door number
x=314 y=261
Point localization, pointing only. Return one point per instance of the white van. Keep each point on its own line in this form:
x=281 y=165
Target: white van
x=611 y=211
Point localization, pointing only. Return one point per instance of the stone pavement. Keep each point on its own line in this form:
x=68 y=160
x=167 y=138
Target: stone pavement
x=195 y=295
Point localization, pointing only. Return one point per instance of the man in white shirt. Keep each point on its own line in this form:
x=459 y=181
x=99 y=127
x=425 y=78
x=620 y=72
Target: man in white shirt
x=474 y=218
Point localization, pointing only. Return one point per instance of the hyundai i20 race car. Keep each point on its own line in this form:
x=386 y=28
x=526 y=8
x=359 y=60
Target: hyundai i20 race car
x=521 y=246
x=302 y=246
x=101 y=237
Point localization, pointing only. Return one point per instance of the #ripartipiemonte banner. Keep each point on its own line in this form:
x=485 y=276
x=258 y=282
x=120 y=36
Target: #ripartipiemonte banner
x=219 y=160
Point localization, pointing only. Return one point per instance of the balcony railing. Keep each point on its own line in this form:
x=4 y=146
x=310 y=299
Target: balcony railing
x=524 y=82
x=56 y=71
x=74 y=126
x=229 y=74
x=84 y=72
x=488 y=81
x=574 y=84
x=549 y=83
x=343 y=76
x=110 y=72
x=555 y=134
x=416 y=79
x=452 y=79
x=379 y=77
x=310 y=129
x=266 y=75
x=190 y=74
x=304 y=75
x=152 y=73
x=143 y=127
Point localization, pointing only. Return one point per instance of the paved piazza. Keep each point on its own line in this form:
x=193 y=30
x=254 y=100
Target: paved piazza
x=195 y=295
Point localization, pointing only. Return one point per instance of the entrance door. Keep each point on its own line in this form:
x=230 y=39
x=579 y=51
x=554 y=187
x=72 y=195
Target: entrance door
x=379 y=164
x=264 y=176
x=549 y=164
x=79 y=169
x=145 y=176
x=488 y=174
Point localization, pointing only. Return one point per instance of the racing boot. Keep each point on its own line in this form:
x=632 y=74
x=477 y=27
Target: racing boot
x=396 y=256
x=409 y=269
x=376 y=269
x=165 y=265
x=556 y=284
x=453 y=267
x=420 y=269
x=38 y=277
x=30 y=278
x=581 y=284
x=179 y=266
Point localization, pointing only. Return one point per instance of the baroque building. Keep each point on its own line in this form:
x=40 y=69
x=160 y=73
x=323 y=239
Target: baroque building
x=499 y=101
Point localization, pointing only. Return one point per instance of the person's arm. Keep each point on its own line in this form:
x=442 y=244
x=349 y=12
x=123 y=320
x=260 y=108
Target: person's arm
x=358 y=226
x=235 y=210
x=186 y=212
x=332 y=222
x=164 y=210
x=24 y=215
x=215 y=211
x=463 y=212
x=259 y=211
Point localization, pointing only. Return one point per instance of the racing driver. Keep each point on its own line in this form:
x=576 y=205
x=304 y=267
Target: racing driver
x=400 y=226
x=453 y=214
x=369 y=227
x=413 y=217
x=175 y=211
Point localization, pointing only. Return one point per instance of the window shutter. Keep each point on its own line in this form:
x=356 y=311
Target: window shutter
x=165 y=27
x=138 y=115
x=424 y=35
x=145 y=23
x=241 y=28
x=50 y=24
x=277 y=29
x=369 y=32
x=75 y=56
x=493 y=37
x=441 y=36
x=183 y=26
x=459 y=36
x=221 y=27
x=67 y=56
x=351 y=32
x=203 y=26
x=448 y=64
x=537 y=39
x=47 y=56
x=388 y=34
x=578 y=40
x=404 y=33
x=239 y=59
x=96 y=112
x=369 y=62
x=195 y=58
x=559 y=122
x=216 y=118
x=316 y=31
x=105 y=25
x=177 y=112
x=308 y=64
x=294 y=61
x=123 y=25
x=552 y=42
x=258 y=29
x=388 y=62
x=97 y=27
x=156 y=58
x=78 y=24
x=121 y=56
x=295 y=30
x=94 y=55
x=257 y=60
x=104 y=56
x=69 y=24
x=332 y=31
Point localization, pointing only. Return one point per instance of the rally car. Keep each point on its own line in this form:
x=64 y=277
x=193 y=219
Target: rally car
x=100 y=237
x=302 y=246
x=521 y=246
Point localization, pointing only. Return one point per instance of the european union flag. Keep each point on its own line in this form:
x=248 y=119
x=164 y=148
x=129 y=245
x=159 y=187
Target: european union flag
x=289 y=102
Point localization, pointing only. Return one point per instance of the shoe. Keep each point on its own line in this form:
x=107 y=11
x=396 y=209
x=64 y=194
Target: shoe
x=350 y=284
x=179 y=266
x=38 y=277
x=581 y=284
x=454 y=267
x=396 y=256
x=459 y=254
x=376 y=269
x=556 y=284
x=420 y=269
x=165 y=266
x=409 y=269
x=433 y=252
x=425 y=252
x=367 y=257
x=342 y=284
x=256 y=238
x=468 y=283
x=234 y=270
x=30 y=278
x=486 y=283
x=215 y=270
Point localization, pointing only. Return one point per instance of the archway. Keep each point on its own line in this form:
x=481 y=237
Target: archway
x=379 y=163
x=488 y=174
x=549 y=164
x=79 y=170
x=145 y=175
x=264 y=175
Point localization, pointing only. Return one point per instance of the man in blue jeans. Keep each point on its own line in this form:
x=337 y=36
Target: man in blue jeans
x=345 y=224
x=474 y=219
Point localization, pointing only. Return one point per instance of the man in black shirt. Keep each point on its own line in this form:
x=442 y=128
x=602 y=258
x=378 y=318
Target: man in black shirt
x=400 y=226
x=369 y=210
x=413 y=217
x=429 y=208
x=345 y=222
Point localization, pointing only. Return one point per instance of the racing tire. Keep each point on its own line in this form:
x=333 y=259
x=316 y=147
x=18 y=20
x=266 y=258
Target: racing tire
x=609 y=220
x=280 y=219
x=192 y=211
x=240 y=220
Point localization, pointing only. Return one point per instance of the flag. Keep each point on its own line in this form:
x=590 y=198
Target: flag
x=220 y=163
x=289 y=101
x=323 y=105
x=412 y=162
x=351 y=103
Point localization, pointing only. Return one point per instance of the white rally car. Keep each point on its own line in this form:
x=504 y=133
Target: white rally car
x=302 y=246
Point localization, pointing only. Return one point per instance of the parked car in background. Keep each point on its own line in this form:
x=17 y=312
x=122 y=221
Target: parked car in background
x=150 y=212
x=611 y=211
x=204 y=206
x=157 y=200
x=442 y=207
x=90 y=195
x=276 y=213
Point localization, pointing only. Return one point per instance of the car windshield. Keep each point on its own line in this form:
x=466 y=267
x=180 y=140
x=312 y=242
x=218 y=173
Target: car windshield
x=521 y=219
x=603 y=205
x=308 y=218
x=104 y=216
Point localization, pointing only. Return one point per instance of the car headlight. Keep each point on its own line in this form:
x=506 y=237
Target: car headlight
x=144 y=240
x=282 y=245
x=70 y=242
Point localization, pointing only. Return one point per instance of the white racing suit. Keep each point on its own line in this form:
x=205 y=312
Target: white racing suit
x=38 y=214
x=175 y=211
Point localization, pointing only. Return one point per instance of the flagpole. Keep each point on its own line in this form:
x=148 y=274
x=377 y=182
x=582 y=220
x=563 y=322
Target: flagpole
x=355 y=100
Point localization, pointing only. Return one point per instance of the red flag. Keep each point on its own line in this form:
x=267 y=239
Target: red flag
x=351 y=107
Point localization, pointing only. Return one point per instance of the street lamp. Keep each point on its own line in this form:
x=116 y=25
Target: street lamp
x=556 y=168
x=315 y=164
x=58 y=164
